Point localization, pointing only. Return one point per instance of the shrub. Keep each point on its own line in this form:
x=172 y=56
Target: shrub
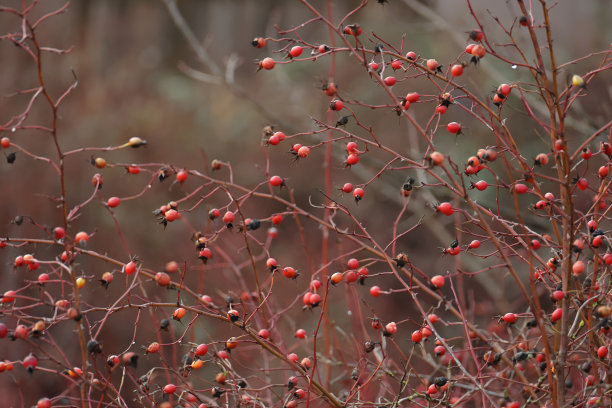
x=306 y=271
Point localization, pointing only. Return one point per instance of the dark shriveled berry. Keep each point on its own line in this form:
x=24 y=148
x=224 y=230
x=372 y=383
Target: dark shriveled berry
x=94 y=347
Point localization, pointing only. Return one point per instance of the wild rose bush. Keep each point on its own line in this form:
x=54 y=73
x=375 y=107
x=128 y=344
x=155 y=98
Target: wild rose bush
x=304 y=281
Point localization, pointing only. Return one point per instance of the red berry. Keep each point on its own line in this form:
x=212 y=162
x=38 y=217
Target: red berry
x=469 y=170
x=153 y=348
x=433 y=318
x=8 y=297
x=276 y=181
x=113 y=202
x=129 y=268
x=454 y=127
x=592 y=401
x=81 y=237
x=453 y=251
x=540 y=205
x=133 y=169
x=457 y=70
x=441 y=109
x=5 y=142
x=179 y=313
x=59 y=233
x=303 y=152
x=300 y=333
x=504 y=89
x=201 y=350
x=352 y=159
x=30 y=362
x=603 y=171
x=214 y=213
x=474 y=244
x=228 y=217
x=469 y=48
x=170 y=389
x=411 y=55
x=557 y=295
x=432 y=389
x=295 y=51
x=535 y=244
x=351 y=147
x=391 y=328
x=578 y=268
x=445 y=208
x=43 y=403
x=432 y=64
x=264 y=334
x=510 y=318
x=274 y=140
x=267 y=63
x=556 y=314
x=271 y=264
x=479 y=51
x=293 y=357
x=314 y=299
x=353 y=263
x=607 y=258
x=43 y=278
x=559 y=145
x=439 y=351
x=586 y=153
x=390 y=81
x=323 y=49
x=350 y=276
x=520 y=188
x=437 y=281
x=582 y=184
x=376 y=324
x=290 y=272
x=413 y=97
x=233 y=315
x=277 y=219
x=476 y=35
x=417 y=336
x=358 y=193
x=336 y=105
x=181 y=176
x=541 y=159
x=396 y=64
x=21 y=332
x=3 y=330
x=481 y=185
x=258 y=42
x=375 y=291
x=336 y=278
x=602 y=352
x=347 y=187
x=436 y=158
x=353 y=29
x=171 y=215
x=373 y=66
x=205 y=254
